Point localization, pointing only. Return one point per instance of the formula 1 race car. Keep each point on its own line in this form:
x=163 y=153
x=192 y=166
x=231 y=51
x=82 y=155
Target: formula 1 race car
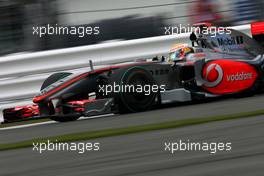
x=228 y=63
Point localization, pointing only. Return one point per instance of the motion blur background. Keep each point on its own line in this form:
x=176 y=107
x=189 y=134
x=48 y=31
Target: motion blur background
x=117 y=19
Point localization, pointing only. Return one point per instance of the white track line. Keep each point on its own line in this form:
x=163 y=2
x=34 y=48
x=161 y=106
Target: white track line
x=50 y=122
x=27 y=125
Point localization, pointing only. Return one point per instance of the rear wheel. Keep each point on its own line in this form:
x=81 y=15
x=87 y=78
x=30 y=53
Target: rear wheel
x=142 y=97
x=46 y=108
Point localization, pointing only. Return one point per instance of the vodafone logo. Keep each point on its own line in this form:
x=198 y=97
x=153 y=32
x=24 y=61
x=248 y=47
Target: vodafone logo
x=213 y=74
x=239 y=76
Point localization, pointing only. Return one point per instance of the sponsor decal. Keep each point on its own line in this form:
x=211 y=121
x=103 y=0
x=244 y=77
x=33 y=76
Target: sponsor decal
x=196 y=56
x=227 y=76
x=230 y=41
x=226 y=41
x=239 y=76
x=159 y=72
x=213 y=75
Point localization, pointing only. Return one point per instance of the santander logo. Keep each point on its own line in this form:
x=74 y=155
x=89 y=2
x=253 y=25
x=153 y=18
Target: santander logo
x=227 y=76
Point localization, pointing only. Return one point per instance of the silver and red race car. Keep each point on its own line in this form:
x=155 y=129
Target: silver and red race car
x=227 y=63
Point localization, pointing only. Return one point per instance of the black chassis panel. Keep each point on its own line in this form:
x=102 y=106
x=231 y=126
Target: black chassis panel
x=164 y=74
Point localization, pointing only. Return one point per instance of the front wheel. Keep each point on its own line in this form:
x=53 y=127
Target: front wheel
x=46 y=109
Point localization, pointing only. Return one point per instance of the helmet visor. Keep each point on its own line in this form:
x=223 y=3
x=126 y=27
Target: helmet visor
x=175 y=55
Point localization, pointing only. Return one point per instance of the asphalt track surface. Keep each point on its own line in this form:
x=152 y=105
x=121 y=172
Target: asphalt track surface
x=143 y=154
x=212 y=108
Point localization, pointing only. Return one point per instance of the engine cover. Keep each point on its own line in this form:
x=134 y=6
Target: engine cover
x=227 y=76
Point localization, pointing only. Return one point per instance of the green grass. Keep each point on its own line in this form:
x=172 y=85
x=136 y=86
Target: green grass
x=128 y=130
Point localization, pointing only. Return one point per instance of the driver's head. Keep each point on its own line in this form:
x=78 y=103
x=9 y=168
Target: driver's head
x=179 y=53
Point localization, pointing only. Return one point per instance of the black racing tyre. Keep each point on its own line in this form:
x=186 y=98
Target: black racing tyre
x=137 y=101
x=53 y=78
x=47 y=109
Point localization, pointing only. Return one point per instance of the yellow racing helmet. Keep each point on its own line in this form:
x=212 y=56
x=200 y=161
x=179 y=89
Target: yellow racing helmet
x=179 y=52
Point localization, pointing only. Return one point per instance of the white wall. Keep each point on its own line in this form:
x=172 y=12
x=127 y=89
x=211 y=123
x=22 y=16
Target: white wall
x=85 y=18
